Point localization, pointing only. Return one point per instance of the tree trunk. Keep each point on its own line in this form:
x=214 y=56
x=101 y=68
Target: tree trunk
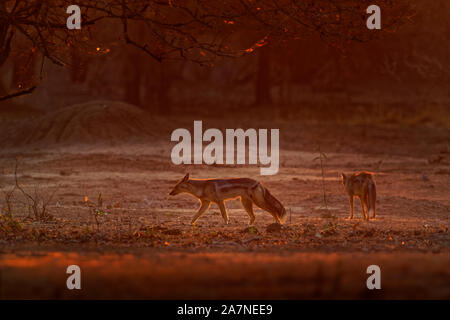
x=5 y=41
x=78 y=68
x=24 y=69
x=163 y=90
x=132 y=79
x=263 y=83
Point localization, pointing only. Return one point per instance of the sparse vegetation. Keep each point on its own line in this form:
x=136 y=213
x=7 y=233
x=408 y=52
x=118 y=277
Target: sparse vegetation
x=8 y=204
x=98 y=212
x=9 y=225
x=133 y=212
x=36 y=202
x=322 y=157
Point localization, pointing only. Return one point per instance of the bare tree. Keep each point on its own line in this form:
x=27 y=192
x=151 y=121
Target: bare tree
x=194 y=30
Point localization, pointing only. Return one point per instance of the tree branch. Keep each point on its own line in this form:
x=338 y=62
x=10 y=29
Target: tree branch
x=18 y=94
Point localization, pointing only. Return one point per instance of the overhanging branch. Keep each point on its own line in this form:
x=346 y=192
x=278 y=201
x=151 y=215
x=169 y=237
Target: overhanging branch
x=18 y=94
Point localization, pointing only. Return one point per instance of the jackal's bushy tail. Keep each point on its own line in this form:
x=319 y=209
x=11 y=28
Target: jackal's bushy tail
x=271 y=204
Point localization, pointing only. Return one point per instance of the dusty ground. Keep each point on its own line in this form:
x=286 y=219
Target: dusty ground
x=144 y=247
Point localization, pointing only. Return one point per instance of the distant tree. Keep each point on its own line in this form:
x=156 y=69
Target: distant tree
x=28 y=28
x=195 y=30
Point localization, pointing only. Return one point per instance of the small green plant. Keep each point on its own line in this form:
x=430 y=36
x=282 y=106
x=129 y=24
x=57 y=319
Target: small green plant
x=149 y=231
x=252 y=230
x=9 y=224
x=329 y=229
x=87 y=230
x=98 y=212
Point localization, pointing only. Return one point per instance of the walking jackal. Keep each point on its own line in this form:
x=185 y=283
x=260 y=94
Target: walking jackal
x=361 y=185
x=218 y=190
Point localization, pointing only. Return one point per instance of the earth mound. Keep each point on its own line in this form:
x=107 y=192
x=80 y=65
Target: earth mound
x=86 y=123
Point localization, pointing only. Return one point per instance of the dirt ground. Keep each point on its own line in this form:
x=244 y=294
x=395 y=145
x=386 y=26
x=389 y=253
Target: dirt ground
x=140 y=244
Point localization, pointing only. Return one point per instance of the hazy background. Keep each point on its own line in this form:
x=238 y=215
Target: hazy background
x=404 y=73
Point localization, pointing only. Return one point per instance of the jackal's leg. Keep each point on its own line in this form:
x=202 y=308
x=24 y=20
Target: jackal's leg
x=223 y=211
x=351 y=207
x=374 y=211
x=365 y=217
x=248 y=206
x=203 y=207
x=371 y=204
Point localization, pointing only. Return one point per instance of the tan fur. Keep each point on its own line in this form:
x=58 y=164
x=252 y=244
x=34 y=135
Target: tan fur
x=361 y=185
x=219 y=190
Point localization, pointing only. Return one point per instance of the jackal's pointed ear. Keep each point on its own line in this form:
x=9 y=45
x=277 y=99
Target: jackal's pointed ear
x=344 y=177
x=186 y=177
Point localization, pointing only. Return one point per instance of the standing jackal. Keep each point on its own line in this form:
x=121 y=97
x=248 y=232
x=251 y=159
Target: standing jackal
x=218 y=190
x=361 y=185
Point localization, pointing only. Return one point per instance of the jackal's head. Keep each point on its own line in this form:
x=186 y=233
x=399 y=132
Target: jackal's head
x=182 y=186
x=345 y=180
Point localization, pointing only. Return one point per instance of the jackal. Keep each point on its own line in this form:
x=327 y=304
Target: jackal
x=361 y=184
x=218 y=190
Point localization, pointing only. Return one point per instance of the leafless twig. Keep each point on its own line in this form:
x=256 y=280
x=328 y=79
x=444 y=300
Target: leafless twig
x=18 y=94
x=36 y=204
